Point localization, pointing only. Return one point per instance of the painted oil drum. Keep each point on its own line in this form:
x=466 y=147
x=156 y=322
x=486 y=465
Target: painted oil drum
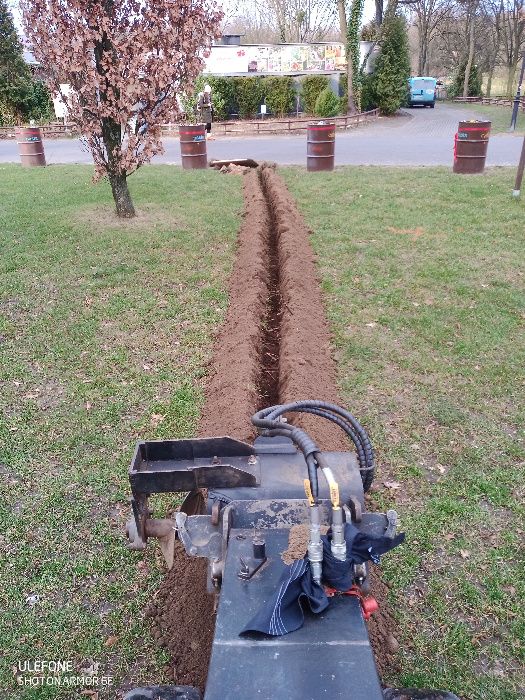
x=470 y=146
x=30 y=146
x=320 y=146
x=193 y=146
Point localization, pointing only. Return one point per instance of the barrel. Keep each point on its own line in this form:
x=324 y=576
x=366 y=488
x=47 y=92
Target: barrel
x=193 y=146
x=320 y=146
x=30 y=146
x=470 y=146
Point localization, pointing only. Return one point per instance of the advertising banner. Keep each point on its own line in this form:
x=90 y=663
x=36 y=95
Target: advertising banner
x=285 y=58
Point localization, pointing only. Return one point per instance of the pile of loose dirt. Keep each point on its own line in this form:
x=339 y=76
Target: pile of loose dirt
x=232 y=396
x=232 y=391
x=381 y=628
x=306 y=367
x=183 y=619
x=274 y=347
x=298 y=542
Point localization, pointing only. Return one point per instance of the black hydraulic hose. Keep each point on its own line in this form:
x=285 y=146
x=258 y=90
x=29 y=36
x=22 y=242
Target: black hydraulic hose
x=305 y=444
x=360 y=445
x=270 y=418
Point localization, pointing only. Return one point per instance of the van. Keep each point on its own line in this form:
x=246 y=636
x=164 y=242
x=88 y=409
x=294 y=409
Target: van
x=422 y=91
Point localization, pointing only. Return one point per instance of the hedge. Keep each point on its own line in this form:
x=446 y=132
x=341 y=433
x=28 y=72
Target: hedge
x=311 y=87
x=243 y=96
x=279 y=94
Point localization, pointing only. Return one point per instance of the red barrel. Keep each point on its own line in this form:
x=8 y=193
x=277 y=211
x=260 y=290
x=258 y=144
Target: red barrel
x=30 y=146
x=320 y=146
x=193 y=146
x=470 y=146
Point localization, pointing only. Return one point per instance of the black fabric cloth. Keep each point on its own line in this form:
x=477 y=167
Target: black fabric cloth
x=283 y=612
x=359 y=548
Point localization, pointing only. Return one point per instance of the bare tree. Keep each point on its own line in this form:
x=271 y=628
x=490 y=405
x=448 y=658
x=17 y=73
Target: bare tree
x=285 y=21
x=489 y=39
x=429 y=20
x=471 y=7
x=512 y=19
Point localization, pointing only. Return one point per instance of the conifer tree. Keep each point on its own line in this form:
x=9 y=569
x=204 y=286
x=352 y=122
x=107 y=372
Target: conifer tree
x=392 y=71
x=15 y=76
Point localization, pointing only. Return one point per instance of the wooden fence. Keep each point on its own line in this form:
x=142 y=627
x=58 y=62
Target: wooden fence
x=261 y=126
x=49 y=131
x=502 y=101
x=291 y=125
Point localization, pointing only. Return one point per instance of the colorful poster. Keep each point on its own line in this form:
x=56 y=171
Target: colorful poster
x=278 y=58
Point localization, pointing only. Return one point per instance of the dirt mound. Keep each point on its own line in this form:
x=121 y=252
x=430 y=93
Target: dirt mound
x=232 y=391
x=274 y=347
x=306 y=366
x=232 y=396
x=183 y=619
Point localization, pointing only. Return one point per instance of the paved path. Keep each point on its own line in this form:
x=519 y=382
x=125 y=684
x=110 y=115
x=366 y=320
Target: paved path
x=422 y=136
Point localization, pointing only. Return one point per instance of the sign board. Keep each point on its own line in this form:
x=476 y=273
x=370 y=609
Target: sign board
x=277 y=58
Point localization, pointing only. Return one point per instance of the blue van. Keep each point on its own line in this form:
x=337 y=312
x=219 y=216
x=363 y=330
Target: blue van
x=422 y=91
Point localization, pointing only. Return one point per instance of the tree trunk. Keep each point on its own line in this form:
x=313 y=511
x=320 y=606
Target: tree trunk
x=422 y=58
x=379 y=12
x=489 y=82
x=111 y=135
x=470 y=58
x=510 y=81
x=121 y=195
x=343 y=29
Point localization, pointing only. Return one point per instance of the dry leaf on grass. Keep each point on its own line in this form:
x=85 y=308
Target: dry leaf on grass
x=392 y=485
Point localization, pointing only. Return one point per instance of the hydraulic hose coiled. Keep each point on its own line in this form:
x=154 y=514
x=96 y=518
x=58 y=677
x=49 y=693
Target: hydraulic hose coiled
x=270 y=421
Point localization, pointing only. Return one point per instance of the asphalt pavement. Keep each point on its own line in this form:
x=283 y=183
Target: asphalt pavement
x=419 y=136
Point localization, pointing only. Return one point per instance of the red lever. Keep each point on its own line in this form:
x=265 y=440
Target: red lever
x=369 y=605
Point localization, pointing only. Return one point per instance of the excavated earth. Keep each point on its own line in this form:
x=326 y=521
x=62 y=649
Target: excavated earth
x=274 y=347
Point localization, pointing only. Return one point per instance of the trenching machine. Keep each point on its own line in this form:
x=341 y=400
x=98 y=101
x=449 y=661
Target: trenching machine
x=294 y=632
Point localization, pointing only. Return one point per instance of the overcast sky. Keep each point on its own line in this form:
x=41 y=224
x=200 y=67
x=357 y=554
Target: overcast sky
x=228 y=5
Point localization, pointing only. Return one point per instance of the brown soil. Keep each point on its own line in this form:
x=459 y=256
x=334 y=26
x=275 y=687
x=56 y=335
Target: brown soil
x=298 y=542
x=183 y=618
x=274 y=347
x=103 y=217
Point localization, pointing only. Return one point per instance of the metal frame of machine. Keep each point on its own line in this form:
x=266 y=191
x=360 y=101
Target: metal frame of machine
x=255 y=495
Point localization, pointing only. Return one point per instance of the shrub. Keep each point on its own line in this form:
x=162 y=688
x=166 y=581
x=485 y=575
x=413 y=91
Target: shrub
x=368 y=99
x=474 y=81
x=280 y=94
x=392 y=67
x=327 y=104
x=311 y=87
x=250 y=92
x=39 y=104
x=223 y=95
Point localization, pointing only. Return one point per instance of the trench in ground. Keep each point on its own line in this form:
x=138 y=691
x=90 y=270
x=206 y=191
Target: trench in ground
x=274 y=347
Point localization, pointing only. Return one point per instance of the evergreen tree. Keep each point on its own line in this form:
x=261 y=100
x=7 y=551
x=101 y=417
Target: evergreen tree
x=474 y=81
x=15 y=76
x=392 y=71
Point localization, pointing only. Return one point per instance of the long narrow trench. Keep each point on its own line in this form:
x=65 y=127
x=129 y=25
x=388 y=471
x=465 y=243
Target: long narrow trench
x=274 y=347
x=268 y=385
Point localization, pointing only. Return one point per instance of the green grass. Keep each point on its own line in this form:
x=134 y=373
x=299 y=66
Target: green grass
x=104 y=333
x=424 y=276
x=499 y=115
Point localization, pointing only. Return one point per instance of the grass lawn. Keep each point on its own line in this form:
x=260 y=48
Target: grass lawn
x=104 y=332
x=499 y=115
x=424 y=275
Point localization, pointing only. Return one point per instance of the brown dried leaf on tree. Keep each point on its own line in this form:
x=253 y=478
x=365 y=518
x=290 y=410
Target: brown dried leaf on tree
x=126 y=62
